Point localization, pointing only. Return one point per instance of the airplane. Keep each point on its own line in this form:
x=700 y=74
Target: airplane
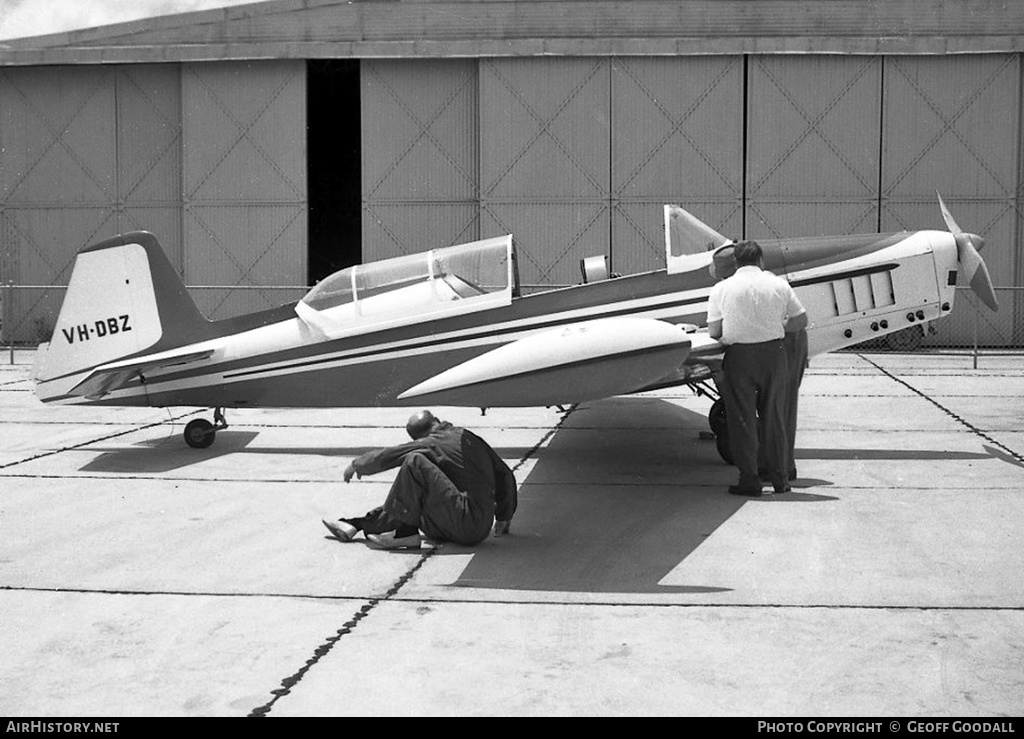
x=450 y=326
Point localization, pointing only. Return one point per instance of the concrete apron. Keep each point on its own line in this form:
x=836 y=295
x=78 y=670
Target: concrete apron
x=141 y=577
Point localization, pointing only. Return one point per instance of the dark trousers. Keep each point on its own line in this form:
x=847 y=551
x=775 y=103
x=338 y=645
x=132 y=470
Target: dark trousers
x=796 y=357
x=424 y=497
x=754 y=392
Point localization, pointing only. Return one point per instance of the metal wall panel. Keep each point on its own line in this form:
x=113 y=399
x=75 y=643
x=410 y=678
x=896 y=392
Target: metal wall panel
x=545 y=127
x=149 y=153
x=420 y=167
x=677 y=137
x=812 y=145
x=57 y=181
x=396 y=229
x=952 y=124
x=58 y=143
x=244 y=180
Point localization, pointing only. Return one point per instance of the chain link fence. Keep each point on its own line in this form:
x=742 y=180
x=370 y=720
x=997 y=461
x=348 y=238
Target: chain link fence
x=971 y=327
x=29 y=315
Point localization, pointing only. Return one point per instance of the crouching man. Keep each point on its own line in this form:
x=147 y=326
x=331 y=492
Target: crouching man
x=451 y=486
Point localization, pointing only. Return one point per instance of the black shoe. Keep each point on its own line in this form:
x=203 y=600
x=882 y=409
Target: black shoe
x=782 y=489
x=746 y=490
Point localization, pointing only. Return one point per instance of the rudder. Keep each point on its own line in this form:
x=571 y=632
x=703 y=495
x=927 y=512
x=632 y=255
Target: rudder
x=124 y=298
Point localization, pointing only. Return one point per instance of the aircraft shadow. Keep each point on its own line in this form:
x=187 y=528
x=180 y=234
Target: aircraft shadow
x=169 y=453
x=1002 y=456
x=166 y=454
x=611 y=508
x=623 y=494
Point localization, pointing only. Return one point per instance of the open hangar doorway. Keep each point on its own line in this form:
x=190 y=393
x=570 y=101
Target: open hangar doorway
x=333 y=166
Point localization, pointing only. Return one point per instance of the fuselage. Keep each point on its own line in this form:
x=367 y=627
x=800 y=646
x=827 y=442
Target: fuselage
x=853 y=287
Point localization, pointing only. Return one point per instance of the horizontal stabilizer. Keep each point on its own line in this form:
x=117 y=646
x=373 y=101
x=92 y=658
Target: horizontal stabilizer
x=581 y=361
x=110 y=377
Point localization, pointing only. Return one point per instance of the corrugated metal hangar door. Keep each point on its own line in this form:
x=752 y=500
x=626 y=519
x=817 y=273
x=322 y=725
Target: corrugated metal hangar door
x=832 y=138
x=677 y=137
x=420 y=162
x=812 y=145
x=545 y=127
x=88 y=152
x=951 y=123
x=244 y=182
x=458 y=150
x=93 y=151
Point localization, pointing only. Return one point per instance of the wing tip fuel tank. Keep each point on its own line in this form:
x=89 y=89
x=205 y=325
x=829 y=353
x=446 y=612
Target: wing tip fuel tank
x=582 y=361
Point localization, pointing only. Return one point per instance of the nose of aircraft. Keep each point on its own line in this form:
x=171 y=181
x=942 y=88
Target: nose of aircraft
x=971 y=263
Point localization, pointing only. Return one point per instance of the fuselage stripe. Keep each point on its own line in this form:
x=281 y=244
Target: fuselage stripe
x=465 y=338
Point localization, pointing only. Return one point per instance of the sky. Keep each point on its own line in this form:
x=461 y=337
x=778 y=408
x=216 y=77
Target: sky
x=20 y=18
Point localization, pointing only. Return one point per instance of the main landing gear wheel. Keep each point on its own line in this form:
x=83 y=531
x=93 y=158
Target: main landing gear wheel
x=716 y=417
x=722 y=444
x=200 y=433
x=720 y=427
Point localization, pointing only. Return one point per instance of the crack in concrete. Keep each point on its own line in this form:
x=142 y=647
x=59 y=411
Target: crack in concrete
x=52 y=452
x=959 y=419
x=392 y=597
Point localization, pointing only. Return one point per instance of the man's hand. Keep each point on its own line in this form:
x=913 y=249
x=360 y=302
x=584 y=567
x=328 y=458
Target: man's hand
x=501 y=527
x=349 y=471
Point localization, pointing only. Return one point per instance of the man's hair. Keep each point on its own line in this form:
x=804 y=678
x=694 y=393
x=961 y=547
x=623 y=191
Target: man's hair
x=420 y=424
x=723 y=262
x=747 y=253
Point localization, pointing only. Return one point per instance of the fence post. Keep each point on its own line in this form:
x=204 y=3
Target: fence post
x=976 y=311
x=7 y=311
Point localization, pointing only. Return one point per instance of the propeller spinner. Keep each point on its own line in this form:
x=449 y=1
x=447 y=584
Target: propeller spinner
x=967 y=247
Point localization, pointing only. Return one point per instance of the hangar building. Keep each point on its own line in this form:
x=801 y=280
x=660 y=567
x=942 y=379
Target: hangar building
x=268 y=144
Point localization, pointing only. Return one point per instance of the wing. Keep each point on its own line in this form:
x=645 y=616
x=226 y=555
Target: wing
x=702 y=364
x=109 y=377
x=581 y=361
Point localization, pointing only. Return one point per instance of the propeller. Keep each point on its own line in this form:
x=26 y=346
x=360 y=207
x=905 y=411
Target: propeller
x=967 y=247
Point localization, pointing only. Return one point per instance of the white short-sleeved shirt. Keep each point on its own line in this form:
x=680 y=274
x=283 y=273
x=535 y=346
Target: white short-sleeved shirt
x=753 y=306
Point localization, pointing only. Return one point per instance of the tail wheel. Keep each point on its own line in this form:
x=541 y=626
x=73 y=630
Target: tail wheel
x=200 y=433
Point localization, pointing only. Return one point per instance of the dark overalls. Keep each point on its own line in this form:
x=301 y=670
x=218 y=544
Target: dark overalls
x=451 y=485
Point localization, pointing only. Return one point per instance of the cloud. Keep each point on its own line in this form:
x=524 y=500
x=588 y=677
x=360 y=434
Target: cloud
x=19 y=18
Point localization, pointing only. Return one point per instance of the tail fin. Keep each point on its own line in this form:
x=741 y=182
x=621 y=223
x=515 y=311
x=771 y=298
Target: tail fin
x=124 y=298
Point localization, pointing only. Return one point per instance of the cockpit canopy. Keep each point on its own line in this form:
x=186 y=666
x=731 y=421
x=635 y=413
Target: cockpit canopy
x=689 y=242
x=412 y=289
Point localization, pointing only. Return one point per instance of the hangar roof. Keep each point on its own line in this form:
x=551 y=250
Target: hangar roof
x=310 y=29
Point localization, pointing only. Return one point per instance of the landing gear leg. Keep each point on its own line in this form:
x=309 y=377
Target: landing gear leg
x=717 y=420
x=200 y=433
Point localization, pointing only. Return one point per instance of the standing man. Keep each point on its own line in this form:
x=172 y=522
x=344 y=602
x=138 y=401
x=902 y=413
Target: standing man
x=796 y=356
x=750 y=312
x=451 y=485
